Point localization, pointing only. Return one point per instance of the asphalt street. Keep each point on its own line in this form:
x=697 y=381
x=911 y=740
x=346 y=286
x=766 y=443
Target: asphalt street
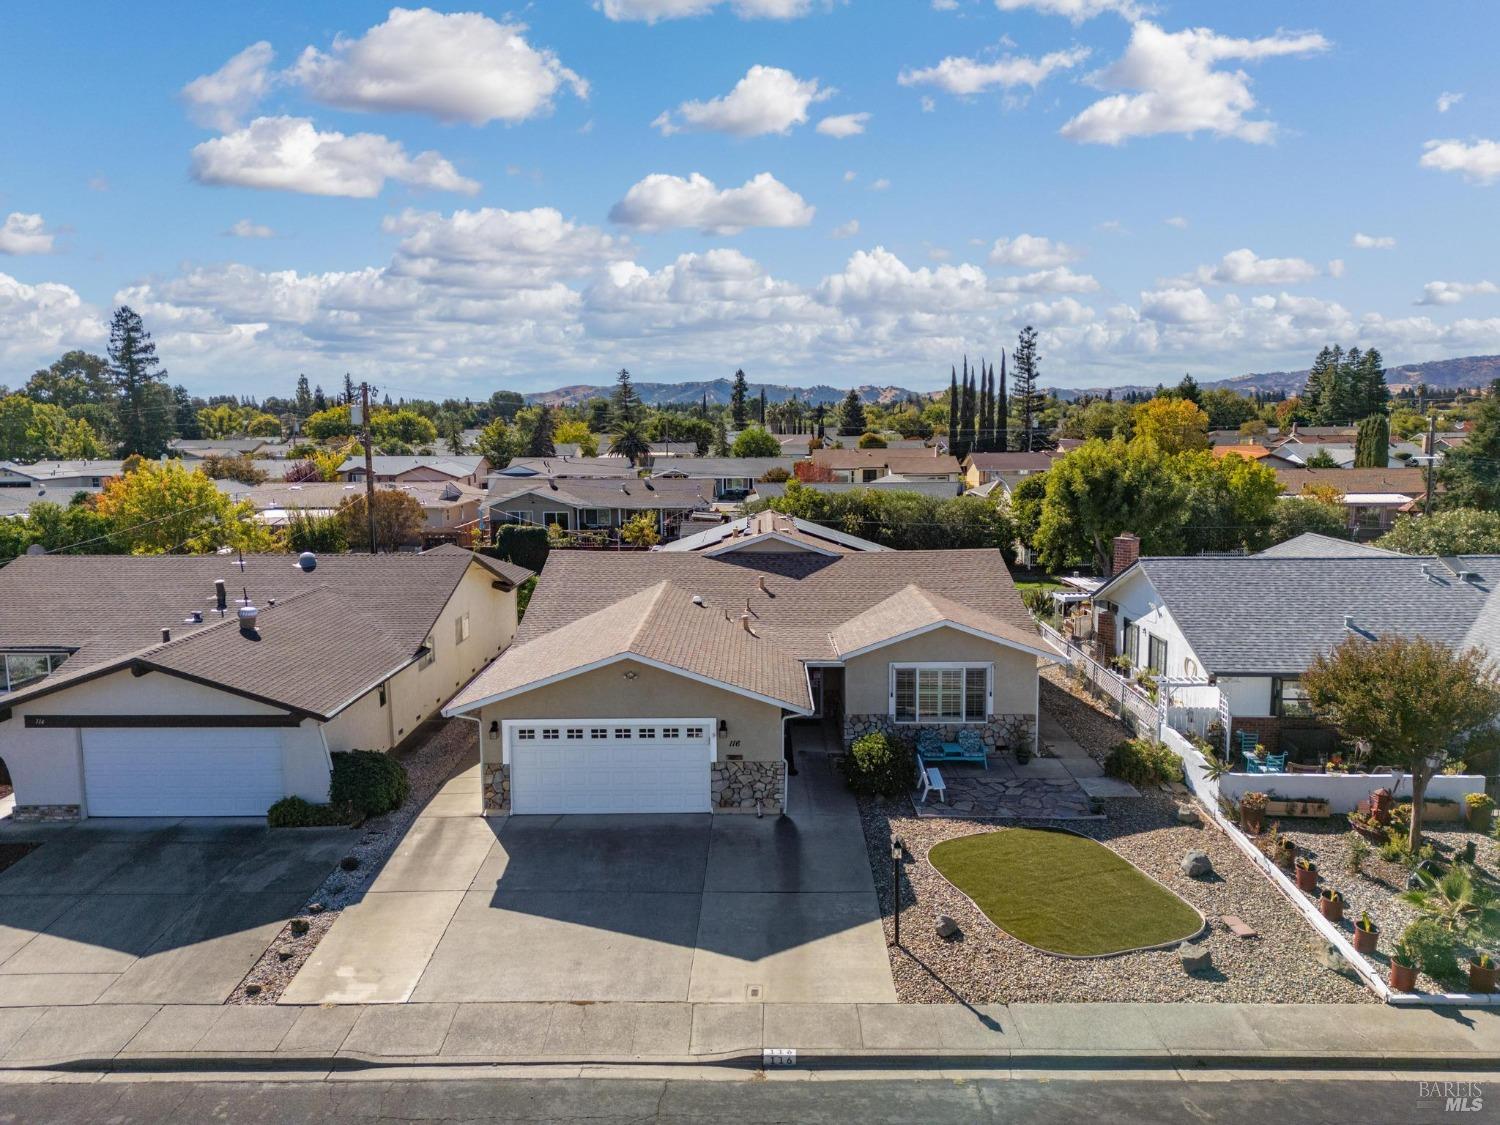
x=1154 y=1100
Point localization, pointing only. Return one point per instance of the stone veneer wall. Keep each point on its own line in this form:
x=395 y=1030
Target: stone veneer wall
x=746 y=786
x=992 y=731
x=496 y=788
x=47 y=812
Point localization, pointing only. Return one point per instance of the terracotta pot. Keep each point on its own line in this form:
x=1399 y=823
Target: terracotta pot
x=1286 y=854
x=1364 y=940
x=1332 y=908
x=1481 y=979
x=1403 y=977
x=1307 y=879
x=1479 y=820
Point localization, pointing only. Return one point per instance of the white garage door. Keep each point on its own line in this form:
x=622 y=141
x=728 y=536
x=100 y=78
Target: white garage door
x=604 y=766
x=182 y=771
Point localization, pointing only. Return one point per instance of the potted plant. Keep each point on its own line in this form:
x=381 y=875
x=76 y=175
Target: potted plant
x=1481 y=973
x=1365 y=933
x=1403 y=969
x=1477 y=810
x=1285 y=851
x=1331 y=905
x=1253 y=812
x=1306 y=874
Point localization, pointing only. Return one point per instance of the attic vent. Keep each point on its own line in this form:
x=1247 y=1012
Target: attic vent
x=1349 y=622
x=248 y=616
x=697 y=599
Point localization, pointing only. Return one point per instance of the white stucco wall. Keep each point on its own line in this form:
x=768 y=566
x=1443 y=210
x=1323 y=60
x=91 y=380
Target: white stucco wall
x=867 y=678
x=1343 y=792
x=1137 y=600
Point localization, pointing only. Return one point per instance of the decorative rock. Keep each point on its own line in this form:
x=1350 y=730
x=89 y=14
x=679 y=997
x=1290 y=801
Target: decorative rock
x=349 y=863
x=946 y=926
x=315 y=908
x=252 y=990
x=1187 y=814
x=1330 y=958
x=1197 y=865
x=300 y=926
x=1195 y=959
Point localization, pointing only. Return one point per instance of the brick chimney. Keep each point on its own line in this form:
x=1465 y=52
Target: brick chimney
x=1127 y=548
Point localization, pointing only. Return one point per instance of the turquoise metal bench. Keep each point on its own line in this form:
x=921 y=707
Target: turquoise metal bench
x=969 y=748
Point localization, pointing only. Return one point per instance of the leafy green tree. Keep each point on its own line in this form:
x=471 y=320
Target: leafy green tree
x=399 y=520
x=163 y=508
x=738 y=412
x=1226 y=409
x=401 y=427
x=1417 y=702
x=496 y=443
x=640 y=531
x=871 y=441
x=1372 y=443
x=1026 y=397
x=903 y=520
x=77 y=379
x=326 y=425
x=1453 y=531
x=1471 y=473
x=147 y=414
x=755 y=441
x=1174 y=425
x=721 y=440
x=598 y=415
x=1298 y=515
x=1026 y=507
x=79 y=442
x=323 y=534
x=1322 y=459
x=571 y=432
x=852 y=414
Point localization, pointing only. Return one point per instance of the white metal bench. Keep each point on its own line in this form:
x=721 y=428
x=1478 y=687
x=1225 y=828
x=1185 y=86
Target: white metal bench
x=930 y=780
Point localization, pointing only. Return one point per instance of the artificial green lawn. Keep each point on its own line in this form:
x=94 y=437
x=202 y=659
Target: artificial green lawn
x=1063 y=893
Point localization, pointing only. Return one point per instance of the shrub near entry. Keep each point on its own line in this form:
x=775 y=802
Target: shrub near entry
x=879 y=765
x=367 y=782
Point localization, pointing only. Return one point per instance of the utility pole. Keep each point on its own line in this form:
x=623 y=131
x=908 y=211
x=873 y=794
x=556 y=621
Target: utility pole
x=364 y=433
x=1431 y=452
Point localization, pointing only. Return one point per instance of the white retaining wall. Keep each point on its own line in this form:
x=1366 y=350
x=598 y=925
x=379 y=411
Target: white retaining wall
x=1342 y=791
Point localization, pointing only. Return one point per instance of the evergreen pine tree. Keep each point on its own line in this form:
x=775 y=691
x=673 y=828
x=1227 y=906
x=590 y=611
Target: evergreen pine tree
x=625 y=404
x=302 y=403
x=186 y=411
x=145 y=405
x=349 y=390
x=1026 y=396
x=762 y=411
x=540 y=443
x=1372 y=445
x=852 y=414
x=319 y=400
x=1471 y=473
x=737 y=412
x=1002 y=412
x=1322 y=395
x=1371 y=394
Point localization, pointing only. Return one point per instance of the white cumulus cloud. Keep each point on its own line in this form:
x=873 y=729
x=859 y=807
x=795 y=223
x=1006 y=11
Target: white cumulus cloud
x=245 y=228
x=1075 y=10
x=221 y=99
x=661 y=202
x=1177 y=88
x=650 y=11
x=1031 y=251
x=845 y=230
x=1447 y=101
x=461 y=66
x=843 y=125
x=1245 y=267
x=767 y=100
x=963 y=76
x=1477 y=161
x=45 y=319
x=291 y=154
x=1452 y=292
x=1362 y=241
x=25 y=234
x=1178 y=221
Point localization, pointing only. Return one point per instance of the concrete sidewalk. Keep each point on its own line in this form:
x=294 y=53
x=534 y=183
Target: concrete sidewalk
x=315 y=1041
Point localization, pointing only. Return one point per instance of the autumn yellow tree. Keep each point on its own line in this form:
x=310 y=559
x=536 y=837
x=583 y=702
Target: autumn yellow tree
x=1174 y=425
x=162 y=508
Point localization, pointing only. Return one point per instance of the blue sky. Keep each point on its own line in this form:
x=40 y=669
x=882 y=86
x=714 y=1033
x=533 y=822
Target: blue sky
x=448 y=201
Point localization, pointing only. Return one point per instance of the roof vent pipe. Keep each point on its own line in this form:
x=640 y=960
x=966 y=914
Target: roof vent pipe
x=166 y=636
x=221 y=598
x=761 y=582
x=745 y=623
x=1349 y=622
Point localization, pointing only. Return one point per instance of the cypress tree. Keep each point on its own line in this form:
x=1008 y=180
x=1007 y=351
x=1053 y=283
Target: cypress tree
x=737 y=395
x=982 y=424
x=763 y=406
x=1372 y=445
x=953 y=409
x=1002 y=412
x=540 y=443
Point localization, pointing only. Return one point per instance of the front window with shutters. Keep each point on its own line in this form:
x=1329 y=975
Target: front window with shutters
x=940 y=693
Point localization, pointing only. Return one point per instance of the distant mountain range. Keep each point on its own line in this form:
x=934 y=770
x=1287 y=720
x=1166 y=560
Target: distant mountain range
x=1446 y=374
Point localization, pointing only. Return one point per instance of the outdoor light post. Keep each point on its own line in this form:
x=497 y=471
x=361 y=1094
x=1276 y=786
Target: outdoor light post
x=898 y=852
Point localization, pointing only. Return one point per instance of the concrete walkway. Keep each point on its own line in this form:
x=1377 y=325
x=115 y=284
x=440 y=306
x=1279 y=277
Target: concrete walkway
x=318 y=1040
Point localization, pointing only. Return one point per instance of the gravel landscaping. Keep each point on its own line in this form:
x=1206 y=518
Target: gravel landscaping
x=985 y=965
x=429 y=763
x=1376 y=888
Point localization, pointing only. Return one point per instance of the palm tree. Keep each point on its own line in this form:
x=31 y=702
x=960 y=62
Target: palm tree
x=1455 y=899
x=629 y=441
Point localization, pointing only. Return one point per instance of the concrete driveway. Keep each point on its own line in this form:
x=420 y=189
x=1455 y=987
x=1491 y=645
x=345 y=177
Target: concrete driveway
x=170 y=911
x=597 y=908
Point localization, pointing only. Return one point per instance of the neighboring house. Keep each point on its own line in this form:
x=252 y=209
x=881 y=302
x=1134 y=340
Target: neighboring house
x=1237 y=632
x=1372 y=498
x=196 y=449
x=1010 y=469
x=662 y=682
x=58 y=479
x=734 y=477
x=128 y=692
x=1311 y=545
x=446 y=505
x=864 y=465
x=772 y=533
x=938 y=489
x=664 y=449
x=405 y=470
x=584 y=504
x=560 y=466
x=1258 y=453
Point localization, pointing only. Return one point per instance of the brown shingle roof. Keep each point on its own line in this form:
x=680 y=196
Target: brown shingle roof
x=896 y=460
x=1412 y=482
x=660 y=624
x=587 y=604
x=109 y=610
x=912 y=608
